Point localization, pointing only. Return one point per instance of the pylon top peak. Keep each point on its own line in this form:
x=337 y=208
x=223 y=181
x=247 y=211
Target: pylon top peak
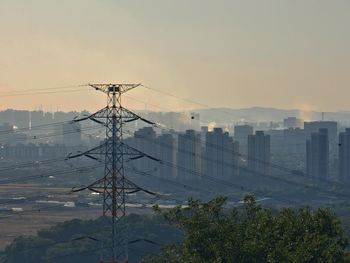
x=114 y=87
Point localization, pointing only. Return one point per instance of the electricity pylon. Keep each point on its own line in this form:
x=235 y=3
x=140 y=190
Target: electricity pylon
x=114 y=185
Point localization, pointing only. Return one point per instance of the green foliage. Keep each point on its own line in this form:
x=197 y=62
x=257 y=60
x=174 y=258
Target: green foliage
x=253 y=234
x=64 y=242
x=202 y=232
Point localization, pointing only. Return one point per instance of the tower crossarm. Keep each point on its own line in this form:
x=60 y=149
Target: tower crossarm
x=99 y=150
x=114 y=88
x=90 y=187
x=99 y=187
x=134 y=154
x=101 y=116
x=127 y=151
x=129 y=116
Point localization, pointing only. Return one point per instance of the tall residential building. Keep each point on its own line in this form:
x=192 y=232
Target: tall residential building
x=344 y=156
x=331 y=126
x=165 y=151
x=293 y=122
x=276 y=140
x=259 y=152
x=294 y=141
x=189 y=155
x=204 y=131
x=317 y=154
x=241 y=133
x=144 y=141
x=221 y=155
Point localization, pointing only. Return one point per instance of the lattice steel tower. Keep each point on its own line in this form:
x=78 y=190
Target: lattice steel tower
x=114 y=185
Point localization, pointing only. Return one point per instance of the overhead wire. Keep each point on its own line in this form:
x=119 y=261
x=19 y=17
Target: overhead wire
x=42 y=91
x=39 y=162
x=49 y=88
x=48 y=174
x=241 y=167
x=274 y=165
x=206 y=105
x=37 y=137
x=168 y=163
x=184 y=99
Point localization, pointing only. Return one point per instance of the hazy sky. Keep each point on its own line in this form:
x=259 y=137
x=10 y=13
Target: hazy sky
x=274 y=53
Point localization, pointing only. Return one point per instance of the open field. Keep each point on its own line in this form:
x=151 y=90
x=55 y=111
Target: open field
x=36 y=216
x=29 y=223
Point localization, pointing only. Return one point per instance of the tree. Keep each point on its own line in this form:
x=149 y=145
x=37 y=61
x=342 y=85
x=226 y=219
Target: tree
x=251 y=234
x=81 y=241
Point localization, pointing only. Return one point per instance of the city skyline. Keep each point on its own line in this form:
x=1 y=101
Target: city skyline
x=174 y=131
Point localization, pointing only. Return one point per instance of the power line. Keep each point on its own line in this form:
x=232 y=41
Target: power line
x=30 y=128
x=273 y=165
x=172 y=182
x=86 y=236
x=41 y=93
x=35 y=90
x=89 y=251
x=243 y=168
x=45 y=175
x=33 y=127
x=39 y=162
x=37 y=137
x=199 y=174
x=76 y=88
x=274 y=136
x=35 y=163
x=223 y=182
x=40 y=209
x=185 y=99
x=30 y=164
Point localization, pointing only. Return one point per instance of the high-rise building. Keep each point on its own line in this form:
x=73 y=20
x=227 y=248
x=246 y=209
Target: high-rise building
x=166 y=152
x=241 y=133
x=344 y=156
x=189 y=155
x=221 y=155
x=144 y=141
x=331 y=126
x=317 y=154
x=294 y=141
x=204 y=131
x=259 y=152
x=276 y=140
x=293 y=122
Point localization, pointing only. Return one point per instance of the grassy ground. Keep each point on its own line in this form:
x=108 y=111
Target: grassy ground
x=39 y=216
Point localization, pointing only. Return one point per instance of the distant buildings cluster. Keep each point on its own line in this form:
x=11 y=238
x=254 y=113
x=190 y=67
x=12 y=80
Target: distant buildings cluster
x=186 y=155
x=315 y=148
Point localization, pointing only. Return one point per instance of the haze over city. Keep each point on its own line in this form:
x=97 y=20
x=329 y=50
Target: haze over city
x=180 y=131
x=236 y=54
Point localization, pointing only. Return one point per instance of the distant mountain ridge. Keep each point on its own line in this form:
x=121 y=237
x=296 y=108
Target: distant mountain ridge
x=262 y=114
x=21 y=118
